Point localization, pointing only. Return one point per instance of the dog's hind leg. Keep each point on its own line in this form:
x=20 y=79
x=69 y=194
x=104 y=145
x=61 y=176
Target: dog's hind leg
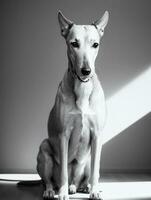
x=45 y=167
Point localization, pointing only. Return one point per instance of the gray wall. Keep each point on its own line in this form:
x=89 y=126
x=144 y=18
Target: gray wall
x=33 y=60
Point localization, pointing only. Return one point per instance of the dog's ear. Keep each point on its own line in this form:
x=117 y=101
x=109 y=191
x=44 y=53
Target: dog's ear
x=65 y=24
x=101 y=23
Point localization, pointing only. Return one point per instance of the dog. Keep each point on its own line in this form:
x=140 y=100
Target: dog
x=69 y=159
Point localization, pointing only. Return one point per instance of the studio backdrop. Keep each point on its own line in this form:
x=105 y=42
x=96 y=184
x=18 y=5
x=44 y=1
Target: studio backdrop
x=32 y=63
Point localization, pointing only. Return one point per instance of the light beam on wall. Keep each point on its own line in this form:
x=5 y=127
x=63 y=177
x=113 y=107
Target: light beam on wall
x=128 y=105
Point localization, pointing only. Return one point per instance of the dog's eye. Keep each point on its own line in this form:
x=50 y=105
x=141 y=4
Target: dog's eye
x=95 y=45
x=75 y=44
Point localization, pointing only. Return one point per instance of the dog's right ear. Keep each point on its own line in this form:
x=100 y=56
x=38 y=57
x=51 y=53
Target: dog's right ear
x=65 y=24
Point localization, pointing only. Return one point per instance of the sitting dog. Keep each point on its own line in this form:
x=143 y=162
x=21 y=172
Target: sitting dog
x=70 y=157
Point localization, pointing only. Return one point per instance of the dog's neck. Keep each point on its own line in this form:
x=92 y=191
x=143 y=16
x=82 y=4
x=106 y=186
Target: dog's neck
x=80 y=90
x=83 y=92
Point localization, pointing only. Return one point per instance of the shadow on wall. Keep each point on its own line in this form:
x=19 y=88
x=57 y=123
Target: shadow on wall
x=129 y=151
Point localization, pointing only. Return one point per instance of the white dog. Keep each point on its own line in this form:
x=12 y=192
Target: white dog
x=70 y=157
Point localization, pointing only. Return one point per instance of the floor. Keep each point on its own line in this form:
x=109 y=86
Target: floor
x=113 y=187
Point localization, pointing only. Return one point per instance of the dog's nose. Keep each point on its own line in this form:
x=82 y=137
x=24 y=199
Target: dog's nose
x=85 y=71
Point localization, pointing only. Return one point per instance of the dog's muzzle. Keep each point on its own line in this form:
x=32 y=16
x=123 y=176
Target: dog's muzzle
x=85 y=71
x=75 y=75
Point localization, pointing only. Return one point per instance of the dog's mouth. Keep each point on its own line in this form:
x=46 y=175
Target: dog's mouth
x=83 y=78
x=80 y=77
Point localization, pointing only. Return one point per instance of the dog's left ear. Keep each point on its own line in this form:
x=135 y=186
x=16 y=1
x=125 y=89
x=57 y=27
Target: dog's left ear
x=65 y=24
x=101 y=23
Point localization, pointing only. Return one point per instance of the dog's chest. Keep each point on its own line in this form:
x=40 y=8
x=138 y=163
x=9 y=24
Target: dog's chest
x=83 y=93
x=81 y=127
x=80 y=136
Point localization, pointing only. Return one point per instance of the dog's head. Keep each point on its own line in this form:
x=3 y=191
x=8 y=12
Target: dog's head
x=82 y=44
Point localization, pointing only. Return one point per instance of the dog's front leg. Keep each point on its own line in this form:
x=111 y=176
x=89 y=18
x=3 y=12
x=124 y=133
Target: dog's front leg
x=63 y=192
x=96 y=147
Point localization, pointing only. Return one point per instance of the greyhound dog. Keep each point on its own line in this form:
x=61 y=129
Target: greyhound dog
x=70 y=158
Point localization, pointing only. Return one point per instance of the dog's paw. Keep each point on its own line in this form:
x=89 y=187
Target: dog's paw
x=95 y=194
x=72 y=189
x=63 y=196
x=49 y=194
x=63 y=193
x=85 y=189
